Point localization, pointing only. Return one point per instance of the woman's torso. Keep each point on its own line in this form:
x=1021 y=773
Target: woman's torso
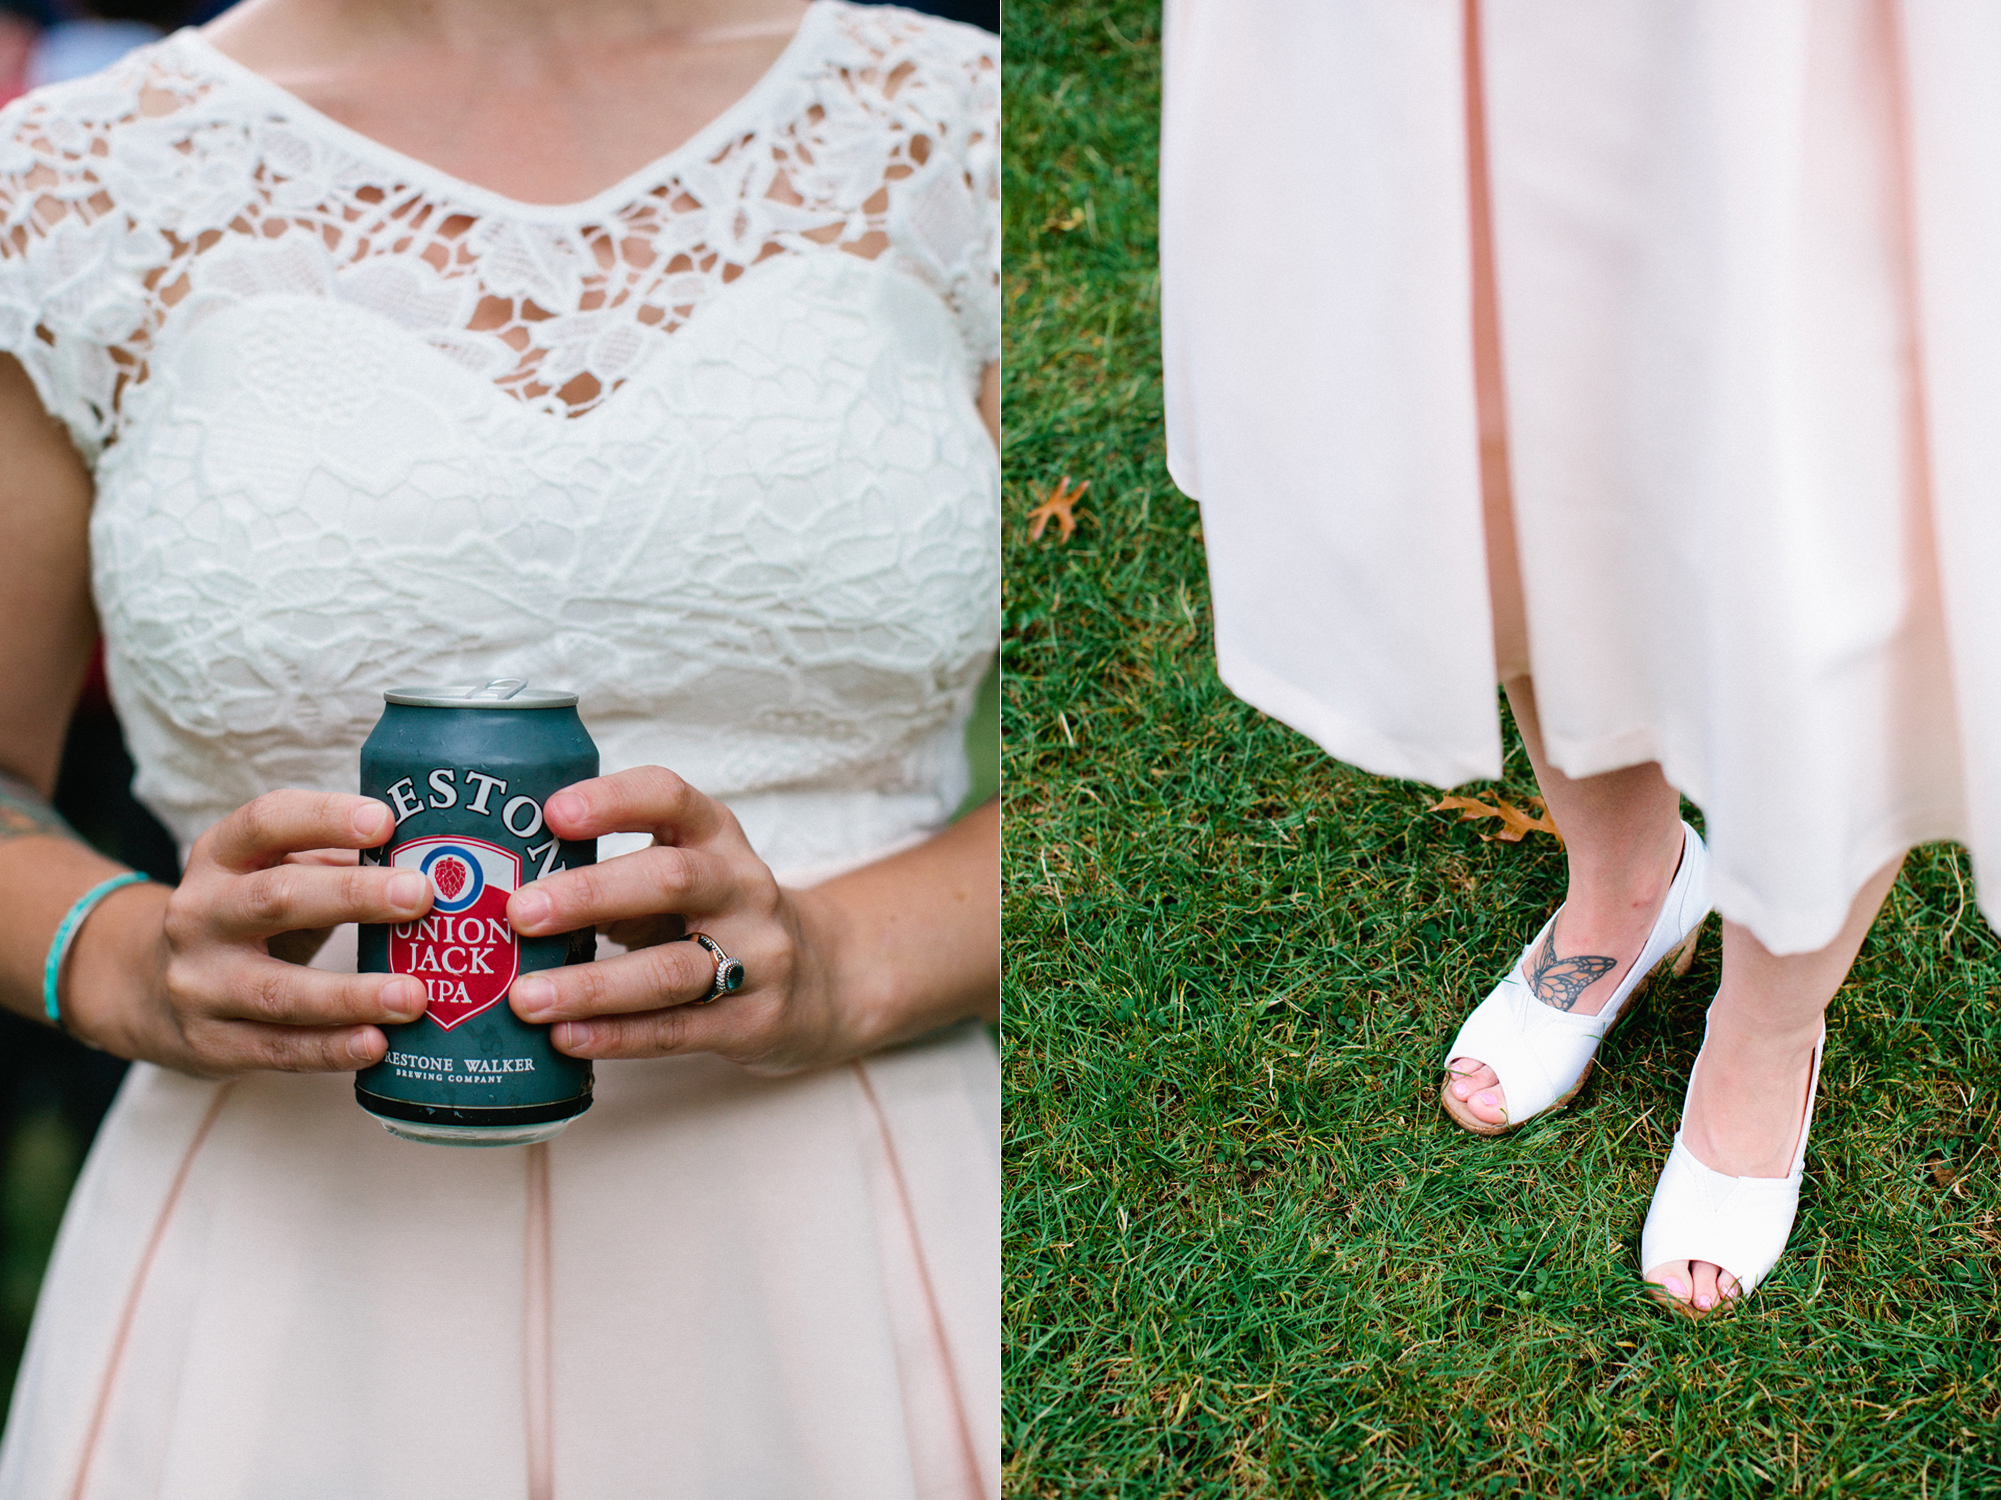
x=704 y=453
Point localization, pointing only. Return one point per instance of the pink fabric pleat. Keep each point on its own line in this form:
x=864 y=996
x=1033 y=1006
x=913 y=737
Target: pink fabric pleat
x=1952 y=113
x=1715 y=434
x=1512 y=657
x=537 y=1325
x=943 y=1453
x=115 y=1358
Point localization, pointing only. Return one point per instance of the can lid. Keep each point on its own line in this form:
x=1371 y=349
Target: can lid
x=502 y=692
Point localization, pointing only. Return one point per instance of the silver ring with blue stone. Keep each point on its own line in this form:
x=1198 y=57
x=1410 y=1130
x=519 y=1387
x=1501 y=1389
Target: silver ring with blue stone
x=729 y=973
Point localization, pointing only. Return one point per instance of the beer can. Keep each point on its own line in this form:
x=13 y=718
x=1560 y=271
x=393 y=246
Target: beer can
x=465 y=770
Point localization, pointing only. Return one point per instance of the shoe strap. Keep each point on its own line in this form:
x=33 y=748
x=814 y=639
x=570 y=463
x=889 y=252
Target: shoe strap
x=1538 y=1052
x=1739 y=1223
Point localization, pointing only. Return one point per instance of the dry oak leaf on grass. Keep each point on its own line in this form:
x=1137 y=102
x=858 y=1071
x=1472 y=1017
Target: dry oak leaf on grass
x=1060 y=507
x=1514 y=822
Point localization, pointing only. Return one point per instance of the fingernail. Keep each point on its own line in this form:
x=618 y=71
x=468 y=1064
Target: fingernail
x=407 y=890
x=572 y=1036
x=531 y=908
x=533 y=996
x=361 y=1046
x=565 y=805
x=403 y=998
x=369 y=818
x=1675 y=1287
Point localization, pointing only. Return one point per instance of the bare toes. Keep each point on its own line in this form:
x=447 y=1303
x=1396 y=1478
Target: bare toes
x=1674 y=1280
x=1468 y=1075
x=1704 y=1277
x=1478 y=1087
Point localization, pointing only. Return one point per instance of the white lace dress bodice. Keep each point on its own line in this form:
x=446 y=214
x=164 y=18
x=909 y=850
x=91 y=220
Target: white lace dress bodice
x=703 y=448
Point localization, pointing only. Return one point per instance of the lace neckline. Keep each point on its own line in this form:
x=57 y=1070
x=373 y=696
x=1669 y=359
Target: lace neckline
x=186 y=182
x=710 y=140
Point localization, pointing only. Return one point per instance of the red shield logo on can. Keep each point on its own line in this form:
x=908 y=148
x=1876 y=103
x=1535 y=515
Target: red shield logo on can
x=464 y=951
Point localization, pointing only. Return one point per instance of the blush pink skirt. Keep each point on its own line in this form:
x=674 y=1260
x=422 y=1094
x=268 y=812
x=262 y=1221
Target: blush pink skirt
x=711 y=1285
x=1693 y=307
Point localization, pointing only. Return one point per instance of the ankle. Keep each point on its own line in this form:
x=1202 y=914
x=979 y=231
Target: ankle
x=1746 y=1107
x=1623 y=883
x=1619 y=894
x=1758 y=1046
x=1599 y=915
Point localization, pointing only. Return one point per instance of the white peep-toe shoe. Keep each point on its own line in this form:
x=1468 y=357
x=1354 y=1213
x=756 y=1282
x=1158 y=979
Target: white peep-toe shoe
x=1739 y=1224
x=1542 y=1055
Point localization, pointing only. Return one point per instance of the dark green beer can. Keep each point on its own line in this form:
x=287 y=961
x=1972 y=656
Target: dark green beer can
x=466 y=771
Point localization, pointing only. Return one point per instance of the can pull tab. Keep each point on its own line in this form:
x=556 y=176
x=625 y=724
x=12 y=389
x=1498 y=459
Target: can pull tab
x=500 y=688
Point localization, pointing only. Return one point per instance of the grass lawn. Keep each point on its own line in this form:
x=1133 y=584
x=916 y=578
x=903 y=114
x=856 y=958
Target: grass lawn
x=1246 y=1253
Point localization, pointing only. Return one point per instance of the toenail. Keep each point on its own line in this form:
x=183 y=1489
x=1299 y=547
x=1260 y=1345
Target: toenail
x=1675 y=1287
x=1487 y=1098
x=1705 y=1301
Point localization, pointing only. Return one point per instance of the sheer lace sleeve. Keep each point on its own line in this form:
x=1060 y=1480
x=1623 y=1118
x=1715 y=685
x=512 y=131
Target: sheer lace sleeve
x=975 y=284
x=71 y=293
x=936 y=85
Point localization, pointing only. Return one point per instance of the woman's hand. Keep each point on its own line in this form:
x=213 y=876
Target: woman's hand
x=886 y=952
x=700 y=875
x=210 y=979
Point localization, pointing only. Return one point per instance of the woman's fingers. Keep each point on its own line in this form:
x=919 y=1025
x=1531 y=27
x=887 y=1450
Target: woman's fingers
x=646 y=799
x=664 y=878
x=243 y=1047
x=644 y=932
x=728 y=1029
x=264 y=831
x=670 y=975
x=291 y=897
x=701 y=872
x=274 y=993
x=275 y=874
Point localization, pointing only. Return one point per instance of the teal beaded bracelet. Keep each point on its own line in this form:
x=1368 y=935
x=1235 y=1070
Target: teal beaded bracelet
x=66 y=934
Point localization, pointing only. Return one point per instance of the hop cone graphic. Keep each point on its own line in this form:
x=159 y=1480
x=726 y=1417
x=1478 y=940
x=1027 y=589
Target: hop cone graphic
x=450 y=874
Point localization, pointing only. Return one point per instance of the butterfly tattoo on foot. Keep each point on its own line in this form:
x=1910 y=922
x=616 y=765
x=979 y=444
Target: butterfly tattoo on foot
x=1560 y=982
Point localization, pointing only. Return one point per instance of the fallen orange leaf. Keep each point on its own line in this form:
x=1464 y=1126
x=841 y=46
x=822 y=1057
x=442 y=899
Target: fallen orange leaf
x=1514 y=822
x=1060 y=506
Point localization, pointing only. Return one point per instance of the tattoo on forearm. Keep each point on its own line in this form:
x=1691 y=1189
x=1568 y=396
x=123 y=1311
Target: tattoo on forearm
x=25 y=811
x=1560 y=982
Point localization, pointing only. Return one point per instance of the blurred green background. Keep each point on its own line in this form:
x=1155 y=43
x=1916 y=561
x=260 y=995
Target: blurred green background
x=42 y=1161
